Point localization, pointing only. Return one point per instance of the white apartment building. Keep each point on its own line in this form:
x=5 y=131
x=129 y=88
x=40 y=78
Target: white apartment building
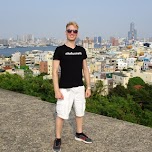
x=30 y=60
x=120 y=78
x=16 y=57
x=43 y=56
x=37 y=59
x=147 y=63
x=131 y=62
x=122 y=65
x=38 y=55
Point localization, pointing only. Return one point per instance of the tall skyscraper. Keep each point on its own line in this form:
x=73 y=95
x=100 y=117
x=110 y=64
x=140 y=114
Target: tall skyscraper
x=132 y=34
x=99 y=39
x=95 y=40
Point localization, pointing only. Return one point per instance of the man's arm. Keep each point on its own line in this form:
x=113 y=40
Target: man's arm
x=87 y=78
x=55 y=78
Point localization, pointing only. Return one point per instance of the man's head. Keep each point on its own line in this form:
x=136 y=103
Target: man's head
x=72 y=31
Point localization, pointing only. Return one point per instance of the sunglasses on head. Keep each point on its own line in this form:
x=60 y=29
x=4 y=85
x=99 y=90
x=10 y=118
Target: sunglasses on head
x=70 y=31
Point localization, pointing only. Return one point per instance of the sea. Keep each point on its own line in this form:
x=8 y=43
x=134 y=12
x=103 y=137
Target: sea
x=9 y=51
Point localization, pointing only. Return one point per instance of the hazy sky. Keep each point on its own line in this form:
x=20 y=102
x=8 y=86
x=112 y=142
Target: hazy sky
x=47 y=18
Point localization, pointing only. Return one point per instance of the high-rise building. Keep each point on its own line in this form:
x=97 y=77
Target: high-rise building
x=88 y=43
x=132 y=34
x=99 y=39
x=95 y=40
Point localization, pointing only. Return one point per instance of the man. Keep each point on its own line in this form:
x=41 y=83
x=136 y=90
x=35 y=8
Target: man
x=70 y=90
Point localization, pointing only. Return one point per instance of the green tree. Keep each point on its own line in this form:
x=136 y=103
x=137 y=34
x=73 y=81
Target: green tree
x=28 y=73
x=135 y=81
x=119 y=90
x=11 y=82
x=99 y=88
x=149 y=104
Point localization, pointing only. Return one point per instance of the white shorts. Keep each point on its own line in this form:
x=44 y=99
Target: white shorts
x=72 y=96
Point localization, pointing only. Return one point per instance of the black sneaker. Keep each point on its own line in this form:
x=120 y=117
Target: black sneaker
x=83 y=137
x=57 y=145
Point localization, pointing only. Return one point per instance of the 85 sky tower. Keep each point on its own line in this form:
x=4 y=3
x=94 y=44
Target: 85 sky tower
x=132 y=34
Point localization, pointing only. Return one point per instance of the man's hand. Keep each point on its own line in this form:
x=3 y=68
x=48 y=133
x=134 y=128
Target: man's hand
x=58 y=95
x=88 y=93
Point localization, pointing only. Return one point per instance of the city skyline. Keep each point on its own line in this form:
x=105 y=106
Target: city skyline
x=101 y=18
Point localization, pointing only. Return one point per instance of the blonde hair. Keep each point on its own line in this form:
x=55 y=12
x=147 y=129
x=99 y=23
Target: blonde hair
x=72 y=23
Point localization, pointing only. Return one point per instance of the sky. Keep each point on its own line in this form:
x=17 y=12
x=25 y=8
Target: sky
x=48 y=18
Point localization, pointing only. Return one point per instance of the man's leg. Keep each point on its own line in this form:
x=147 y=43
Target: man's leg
x=59 y=125
x=58 y=131
x=79 y=104
x=80 y=136
x=79 y=124
x=63 y=108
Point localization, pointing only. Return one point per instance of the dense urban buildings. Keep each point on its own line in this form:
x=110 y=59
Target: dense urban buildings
x=113 y=61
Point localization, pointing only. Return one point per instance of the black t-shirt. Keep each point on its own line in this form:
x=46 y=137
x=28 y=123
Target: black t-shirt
x=71 y=65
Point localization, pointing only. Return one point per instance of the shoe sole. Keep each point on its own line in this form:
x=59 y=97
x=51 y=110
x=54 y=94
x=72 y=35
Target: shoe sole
x=56 y=150
x=78 y=139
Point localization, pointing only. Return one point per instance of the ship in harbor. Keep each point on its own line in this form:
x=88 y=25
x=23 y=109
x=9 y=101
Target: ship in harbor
x=2 y=46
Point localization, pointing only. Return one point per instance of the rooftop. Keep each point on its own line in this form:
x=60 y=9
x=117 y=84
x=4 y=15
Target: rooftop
x=27 y=125
x=120 y=74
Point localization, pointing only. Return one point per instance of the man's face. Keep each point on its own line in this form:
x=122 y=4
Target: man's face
x=71 y=33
